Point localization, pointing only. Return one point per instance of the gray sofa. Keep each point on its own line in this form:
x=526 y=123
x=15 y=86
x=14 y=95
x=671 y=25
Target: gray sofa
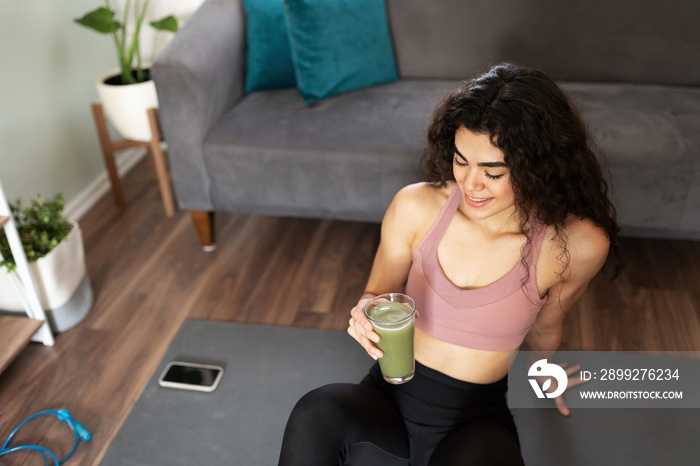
x=633 y=68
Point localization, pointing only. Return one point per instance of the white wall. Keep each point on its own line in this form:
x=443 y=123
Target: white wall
x=48 y=69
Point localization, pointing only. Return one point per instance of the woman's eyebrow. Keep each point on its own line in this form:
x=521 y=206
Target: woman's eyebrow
x=492 y=164
x=483 y=164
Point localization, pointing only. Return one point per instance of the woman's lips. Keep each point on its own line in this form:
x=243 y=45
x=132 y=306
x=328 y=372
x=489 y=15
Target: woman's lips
x=477 y=201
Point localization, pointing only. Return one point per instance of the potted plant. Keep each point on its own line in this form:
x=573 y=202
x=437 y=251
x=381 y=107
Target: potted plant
x=127 y=93
x=54 y=249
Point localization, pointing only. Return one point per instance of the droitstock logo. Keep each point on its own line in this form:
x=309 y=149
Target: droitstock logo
x=542 y=368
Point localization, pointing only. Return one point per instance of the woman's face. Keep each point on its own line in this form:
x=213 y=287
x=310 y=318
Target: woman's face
x=481 y=173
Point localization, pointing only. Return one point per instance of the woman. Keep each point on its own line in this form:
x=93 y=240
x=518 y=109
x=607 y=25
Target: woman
x=495 y=250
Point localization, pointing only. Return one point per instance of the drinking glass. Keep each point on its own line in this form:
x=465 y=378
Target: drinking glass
x=392 y=316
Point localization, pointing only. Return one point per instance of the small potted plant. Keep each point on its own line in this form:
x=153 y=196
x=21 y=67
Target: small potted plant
x=54 y=249
x=127 y=93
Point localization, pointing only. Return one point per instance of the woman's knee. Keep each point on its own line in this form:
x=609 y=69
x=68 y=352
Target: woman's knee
x=346 y=405
x=311 y=435
x=321 y=405
x=338 y=417
x=479 y=443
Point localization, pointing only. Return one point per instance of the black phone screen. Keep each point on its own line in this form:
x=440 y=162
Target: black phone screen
x=191 y=375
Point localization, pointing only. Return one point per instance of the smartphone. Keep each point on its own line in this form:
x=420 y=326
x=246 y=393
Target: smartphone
x=191 y=376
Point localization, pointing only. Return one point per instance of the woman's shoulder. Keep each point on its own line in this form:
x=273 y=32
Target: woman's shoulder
x=425 y=194
x=422 y=199
x=585 y=243
x=586 y=236
x=415 y=208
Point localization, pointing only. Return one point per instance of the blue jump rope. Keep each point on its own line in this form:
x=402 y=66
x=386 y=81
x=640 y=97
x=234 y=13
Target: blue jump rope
x=78 y=429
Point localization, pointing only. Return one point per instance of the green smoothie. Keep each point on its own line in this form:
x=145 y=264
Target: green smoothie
x=394 y=325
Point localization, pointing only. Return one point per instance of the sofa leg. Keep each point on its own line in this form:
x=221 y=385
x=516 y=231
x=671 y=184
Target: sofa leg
x=204 y=223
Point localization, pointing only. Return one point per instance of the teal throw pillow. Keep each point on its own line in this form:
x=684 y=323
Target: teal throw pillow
x=339 y=46
x=268 y=55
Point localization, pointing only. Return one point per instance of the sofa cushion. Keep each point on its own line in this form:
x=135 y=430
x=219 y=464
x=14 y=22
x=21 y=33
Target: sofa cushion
x=650 y=136
x=645 y=41
x=339 y=46
x=269 y=57
x=271 y=145
x=345 y=157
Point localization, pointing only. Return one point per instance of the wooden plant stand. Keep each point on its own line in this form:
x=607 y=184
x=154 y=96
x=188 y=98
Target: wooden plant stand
x=16 y=332
x=156 y=154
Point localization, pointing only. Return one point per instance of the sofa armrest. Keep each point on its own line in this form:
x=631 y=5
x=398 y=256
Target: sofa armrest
x=199 y=76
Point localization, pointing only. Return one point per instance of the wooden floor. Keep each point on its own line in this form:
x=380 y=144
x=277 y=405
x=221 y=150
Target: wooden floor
x=149 y=274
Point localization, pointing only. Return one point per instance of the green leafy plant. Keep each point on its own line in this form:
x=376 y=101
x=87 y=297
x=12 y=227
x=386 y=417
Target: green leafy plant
x=103 y=21
x=41 y=227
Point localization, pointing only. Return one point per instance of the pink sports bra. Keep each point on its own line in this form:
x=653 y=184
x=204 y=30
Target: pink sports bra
x=495 y=317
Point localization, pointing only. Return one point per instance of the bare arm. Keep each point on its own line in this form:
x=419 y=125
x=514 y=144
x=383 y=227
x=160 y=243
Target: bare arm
x=588 y=248
x=391 y=263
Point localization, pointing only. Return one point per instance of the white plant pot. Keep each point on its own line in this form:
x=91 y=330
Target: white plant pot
x=126 y=106
x=61 y=281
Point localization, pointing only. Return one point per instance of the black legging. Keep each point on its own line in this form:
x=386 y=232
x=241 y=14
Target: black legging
x=432 y=420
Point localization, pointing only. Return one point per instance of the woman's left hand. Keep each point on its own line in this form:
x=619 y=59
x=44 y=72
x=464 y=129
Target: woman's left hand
x=573 y=381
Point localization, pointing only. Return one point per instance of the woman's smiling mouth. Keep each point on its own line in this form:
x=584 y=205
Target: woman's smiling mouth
x=476 y=201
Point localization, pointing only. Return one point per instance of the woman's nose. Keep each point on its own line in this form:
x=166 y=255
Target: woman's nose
x=472 y=182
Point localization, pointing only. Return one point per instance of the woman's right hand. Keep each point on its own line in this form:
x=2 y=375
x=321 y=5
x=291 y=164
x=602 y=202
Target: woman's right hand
x=360 y=328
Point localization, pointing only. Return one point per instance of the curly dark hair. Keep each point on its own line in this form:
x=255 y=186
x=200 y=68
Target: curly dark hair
x=555 y=167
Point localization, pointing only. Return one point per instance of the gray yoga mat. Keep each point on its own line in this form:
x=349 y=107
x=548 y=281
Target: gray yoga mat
x=267 y=369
